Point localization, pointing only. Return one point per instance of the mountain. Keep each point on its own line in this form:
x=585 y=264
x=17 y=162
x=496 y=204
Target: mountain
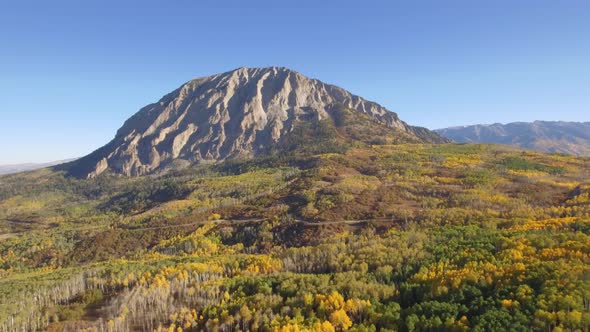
x=545 y=136
x=16 y=168
x=334 y=224
x=239 y=114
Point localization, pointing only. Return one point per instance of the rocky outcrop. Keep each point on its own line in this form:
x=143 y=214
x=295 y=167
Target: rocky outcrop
x=237 y=114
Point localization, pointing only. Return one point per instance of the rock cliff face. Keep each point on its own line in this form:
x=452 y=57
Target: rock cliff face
x=237 y=114
x=545 y=136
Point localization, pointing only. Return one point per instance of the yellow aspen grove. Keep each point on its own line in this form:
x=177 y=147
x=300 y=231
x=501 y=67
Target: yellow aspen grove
x=340 y=320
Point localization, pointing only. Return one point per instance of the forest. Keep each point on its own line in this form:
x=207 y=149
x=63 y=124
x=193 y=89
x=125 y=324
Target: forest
x=366 y=237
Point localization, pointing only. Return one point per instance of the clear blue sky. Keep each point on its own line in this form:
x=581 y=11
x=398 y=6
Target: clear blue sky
x=72 y=71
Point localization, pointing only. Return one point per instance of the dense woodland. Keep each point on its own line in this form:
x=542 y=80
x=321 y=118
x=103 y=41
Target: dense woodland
x=362 y=236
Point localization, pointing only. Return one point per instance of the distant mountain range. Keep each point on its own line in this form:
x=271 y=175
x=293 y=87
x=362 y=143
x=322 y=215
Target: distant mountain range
x=16 y=168
x=545 y=136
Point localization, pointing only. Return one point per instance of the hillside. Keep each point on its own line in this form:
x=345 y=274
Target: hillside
x=358 y=237
x=239 y=114
x=545 y=136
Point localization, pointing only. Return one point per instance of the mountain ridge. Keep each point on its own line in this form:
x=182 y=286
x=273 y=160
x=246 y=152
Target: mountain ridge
x=232 y=115
x=546 y=136
x=23 y=167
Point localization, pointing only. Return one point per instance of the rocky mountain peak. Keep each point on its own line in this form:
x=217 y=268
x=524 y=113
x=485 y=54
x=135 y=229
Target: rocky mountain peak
x=237 y=114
